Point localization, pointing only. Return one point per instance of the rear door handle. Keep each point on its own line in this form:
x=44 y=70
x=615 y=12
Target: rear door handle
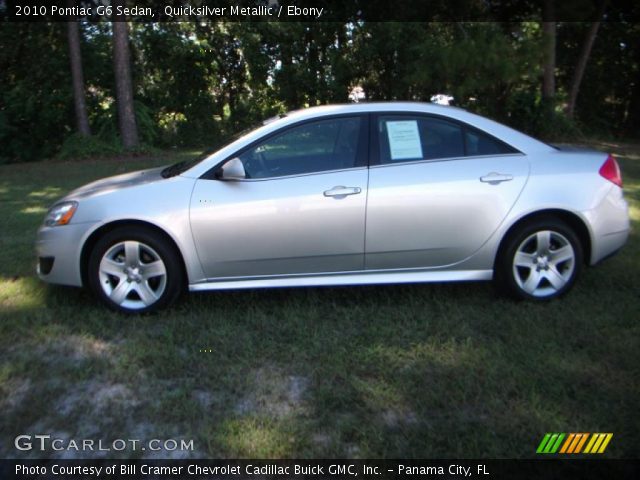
x=495 y=178
x=342 y=192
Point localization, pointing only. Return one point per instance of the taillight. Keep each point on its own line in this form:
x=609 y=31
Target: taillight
x=611 y=171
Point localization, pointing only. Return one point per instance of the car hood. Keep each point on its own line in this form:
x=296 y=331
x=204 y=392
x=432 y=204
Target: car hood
x=117 y=182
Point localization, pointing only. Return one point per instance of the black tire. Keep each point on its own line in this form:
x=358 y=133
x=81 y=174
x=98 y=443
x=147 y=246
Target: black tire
x=517 y=281
x=160 y=290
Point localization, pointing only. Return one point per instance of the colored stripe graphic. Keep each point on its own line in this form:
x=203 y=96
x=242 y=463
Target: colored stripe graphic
x=550 y=443
x=574 y=443
x=581 y=443
x=592 y=441
x=555 y=447
x=606 y=442
x=567 y=443
x=543 y=443
x=598 y=442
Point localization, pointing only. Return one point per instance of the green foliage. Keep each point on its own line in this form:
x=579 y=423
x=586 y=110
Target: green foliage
x=36 y=112
x=195 y=84
x=78 y=146
x=106 y=141
x=106 y=125
x=147 y=127
x=609 y=100
x=527 y=112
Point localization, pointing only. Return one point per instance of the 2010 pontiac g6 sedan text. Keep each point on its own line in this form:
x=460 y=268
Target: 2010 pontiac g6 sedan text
x=343 y=195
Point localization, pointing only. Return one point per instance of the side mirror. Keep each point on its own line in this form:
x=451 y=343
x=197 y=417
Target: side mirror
x=232 y=170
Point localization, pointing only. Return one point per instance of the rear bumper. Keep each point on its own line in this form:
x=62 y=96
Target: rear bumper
x=610 y=225
x=58 y=250
x=609 y=245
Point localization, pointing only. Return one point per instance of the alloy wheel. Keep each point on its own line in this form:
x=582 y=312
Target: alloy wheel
x=132 y=275
x=544 y=263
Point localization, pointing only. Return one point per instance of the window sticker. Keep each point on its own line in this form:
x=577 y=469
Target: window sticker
x=404 y=139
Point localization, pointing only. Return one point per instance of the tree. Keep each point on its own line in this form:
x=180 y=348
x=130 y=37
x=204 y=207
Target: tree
x=549 y=61
x=583 y=59
x=124 y=86
x=36 y=101
x=196 y=82
x=77 y=76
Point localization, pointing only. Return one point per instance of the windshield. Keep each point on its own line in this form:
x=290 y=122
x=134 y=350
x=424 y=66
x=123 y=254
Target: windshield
x=183 y=166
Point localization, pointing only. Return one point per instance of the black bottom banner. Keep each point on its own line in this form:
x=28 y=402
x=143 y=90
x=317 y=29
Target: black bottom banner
x=318 y=469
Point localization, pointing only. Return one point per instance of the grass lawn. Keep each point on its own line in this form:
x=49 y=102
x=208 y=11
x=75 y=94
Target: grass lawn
x=448 y=370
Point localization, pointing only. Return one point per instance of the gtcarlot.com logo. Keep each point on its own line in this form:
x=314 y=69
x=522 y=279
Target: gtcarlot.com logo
x=47 y=442
x=572 y=443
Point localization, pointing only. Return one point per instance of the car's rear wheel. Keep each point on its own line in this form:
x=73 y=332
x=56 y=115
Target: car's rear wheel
x=540 y=260
x=135 y=270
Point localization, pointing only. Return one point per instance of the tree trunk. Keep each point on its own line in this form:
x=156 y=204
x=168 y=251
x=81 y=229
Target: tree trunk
x=583 y=59
x=549 y=61
x=77 y=77
x=124 y=87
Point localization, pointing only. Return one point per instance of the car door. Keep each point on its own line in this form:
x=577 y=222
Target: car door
x=438 y=192
x=300 y=210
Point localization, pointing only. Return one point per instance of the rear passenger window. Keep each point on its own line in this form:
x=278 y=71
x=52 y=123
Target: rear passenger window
x=406 y=139
x=482 y=144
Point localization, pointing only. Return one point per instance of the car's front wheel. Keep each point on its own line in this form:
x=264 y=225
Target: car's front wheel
x=135 y=270
x=540 y=260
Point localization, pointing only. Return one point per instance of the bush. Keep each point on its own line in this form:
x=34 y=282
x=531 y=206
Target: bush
x=79 y=146
x=527 y=112
x=107 y=126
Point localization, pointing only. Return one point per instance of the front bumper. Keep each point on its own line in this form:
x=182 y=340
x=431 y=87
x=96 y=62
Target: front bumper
x=59 y=250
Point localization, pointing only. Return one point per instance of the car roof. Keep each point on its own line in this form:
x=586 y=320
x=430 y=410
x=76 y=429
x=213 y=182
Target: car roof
x=364 y=107
x=518 y=140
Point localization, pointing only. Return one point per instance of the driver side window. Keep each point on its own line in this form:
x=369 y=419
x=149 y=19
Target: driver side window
x=312 y=147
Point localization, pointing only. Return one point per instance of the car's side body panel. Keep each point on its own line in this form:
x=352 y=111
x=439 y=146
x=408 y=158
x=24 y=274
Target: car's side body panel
x=414 y=220
x=344 y=278
x=276 y=226
x=161 y=203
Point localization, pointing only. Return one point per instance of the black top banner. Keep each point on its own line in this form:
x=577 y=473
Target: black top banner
x=319 y=469
x=314 y=10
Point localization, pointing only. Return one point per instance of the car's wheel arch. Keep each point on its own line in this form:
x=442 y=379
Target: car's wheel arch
x=99 y=232
x=571 y=219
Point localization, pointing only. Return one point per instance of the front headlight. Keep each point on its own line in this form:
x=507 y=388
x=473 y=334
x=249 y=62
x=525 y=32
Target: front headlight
x=60 y=214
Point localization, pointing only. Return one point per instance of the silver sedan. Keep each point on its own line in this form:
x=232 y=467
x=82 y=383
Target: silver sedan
x=343 y=195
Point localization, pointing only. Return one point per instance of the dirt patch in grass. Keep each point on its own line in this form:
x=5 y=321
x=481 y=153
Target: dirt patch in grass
x=77 y=349
x=102 y=410
x=97 y=399
x=74 y=392
x=14 y=393
x=399 y=418
x=273 y=392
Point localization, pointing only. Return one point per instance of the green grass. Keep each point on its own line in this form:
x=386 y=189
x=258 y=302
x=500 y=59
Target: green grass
x=448 y=370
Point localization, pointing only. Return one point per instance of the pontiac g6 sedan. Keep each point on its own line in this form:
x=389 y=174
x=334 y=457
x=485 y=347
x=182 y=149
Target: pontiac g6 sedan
x=343 y=195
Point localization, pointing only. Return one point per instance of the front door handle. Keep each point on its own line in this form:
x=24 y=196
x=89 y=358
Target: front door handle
x=494 y=178
x=341 y=192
